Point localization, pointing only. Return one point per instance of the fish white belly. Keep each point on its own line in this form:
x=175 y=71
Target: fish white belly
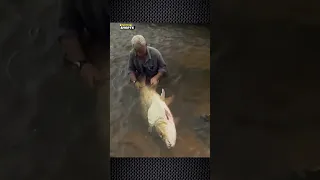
x=156 y=110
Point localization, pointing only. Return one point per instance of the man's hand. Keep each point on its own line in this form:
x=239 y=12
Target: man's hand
x=154 y=81
x=90 y=74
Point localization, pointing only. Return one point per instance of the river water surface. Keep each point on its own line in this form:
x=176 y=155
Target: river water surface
x=186 y=50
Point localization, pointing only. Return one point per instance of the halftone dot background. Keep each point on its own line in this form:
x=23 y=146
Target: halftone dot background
x=160 y=168
x=161 y=11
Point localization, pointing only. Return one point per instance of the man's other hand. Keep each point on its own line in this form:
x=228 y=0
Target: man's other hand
x=154 y=81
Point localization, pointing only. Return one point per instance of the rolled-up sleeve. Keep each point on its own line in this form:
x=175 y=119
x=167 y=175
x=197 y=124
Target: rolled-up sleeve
x=162 y=64
x=70 y=20
x=131 y=66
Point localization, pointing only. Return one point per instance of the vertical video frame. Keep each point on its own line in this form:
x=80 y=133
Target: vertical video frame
x=159 y=90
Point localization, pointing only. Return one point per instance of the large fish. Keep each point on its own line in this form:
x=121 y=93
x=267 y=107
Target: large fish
x=155 y=109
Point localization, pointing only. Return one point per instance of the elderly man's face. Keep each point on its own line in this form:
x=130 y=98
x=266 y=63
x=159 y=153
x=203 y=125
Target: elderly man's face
x=142 y=51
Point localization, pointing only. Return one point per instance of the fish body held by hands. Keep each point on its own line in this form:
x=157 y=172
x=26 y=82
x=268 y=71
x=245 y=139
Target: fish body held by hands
x=155 y=109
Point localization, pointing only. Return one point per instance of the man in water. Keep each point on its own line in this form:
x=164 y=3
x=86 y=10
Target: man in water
x=145 y=61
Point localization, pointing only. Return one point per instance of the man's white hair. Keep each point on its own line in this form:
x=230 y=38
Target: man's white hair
x=137 y=41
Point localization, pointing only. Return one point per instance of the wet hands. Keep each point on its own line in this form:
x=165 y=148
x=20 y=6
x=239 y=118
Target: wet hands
x=90 y=74
x=154 y=81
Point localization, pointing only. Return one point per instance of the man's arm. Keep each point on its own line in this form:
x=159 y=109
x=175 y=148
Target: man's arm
x=162 y=67
x=132 y=69
x=70 y=24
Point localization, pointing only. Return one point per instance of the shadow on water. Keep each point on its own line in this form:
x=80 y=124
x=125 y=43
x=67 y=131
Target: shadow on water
x=186 y=50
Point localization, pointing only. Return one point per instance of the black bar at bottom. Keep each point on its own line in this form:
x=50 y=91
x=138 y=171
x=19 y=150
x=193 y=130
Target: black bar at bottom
x=160 y=168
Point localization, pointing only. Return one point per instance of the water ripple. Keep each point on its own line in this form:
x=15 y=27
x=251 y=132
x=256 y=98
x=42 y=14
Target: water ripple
x=186 y=49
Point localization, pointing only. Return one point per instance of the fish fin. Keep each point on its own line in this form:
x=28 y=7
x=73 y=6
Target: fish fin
x=176 y=120
x=150 y=128
x=163 y=94
x=169 y=100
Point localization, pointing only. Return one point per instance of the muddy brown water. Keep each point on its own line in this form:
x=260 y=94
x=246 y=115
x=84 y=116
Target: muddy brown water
x=186 y=50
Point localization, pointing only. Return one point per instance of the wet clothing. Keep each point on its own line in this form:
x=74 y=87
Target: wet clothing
x=149 y=67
